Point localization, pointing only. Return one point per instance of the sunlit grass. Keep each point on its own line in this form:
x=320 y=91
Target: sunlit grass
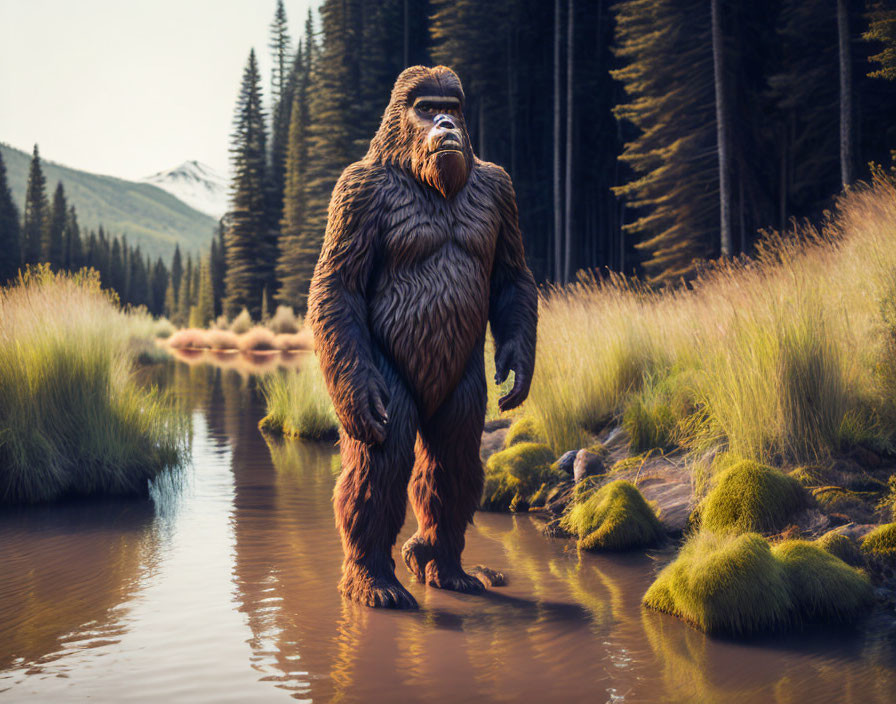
x=73 y=421
x=298 y=404
x=788 y=356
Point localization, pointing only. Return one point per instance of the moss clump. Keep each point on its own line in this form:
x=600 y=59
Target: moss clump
x=881 y=542
x=823 y=587
x=615 y=517
x=751 y=497
x=809 y=476
x=836 y=499
x=841 y=546
x=724 y=584
x=526 y=429
x=739 y=584
x=517 y=470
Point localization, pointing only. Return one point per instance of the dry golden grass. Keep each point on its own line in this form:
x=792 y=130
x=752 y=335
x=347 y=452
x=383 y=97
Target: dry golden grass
x=781 y=356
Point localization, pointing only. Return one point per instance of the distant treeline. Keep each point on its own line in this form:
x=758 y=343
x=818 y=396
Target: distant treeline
x=641 y=135
x=185 y=292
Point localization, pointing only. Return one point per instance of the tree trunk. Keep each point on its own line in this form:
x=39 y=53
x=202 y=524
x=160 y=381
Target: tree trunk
x=567 y=265
x=845 y=93
x=558 y=218
x=721 y=132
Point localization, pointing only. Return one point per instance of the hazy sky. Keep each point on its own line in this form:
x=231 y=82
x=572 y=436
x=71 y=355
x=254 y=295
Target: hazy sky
x=130 y=87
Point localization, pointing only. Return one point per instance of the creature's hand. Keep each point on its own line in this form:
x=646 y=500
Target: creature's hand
x=509 y=358
x=367 y=412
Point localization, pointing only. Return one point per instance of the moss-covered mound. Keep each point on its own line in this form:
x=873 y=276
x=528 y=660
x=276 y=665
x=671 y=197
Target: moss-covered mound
x=881 y=542
x=841 y=546
x=751 y=497
x=823 y=587
x=739 y=584
x=526 y=429
x=724 y=584
x=614 y=517
x=517 y=470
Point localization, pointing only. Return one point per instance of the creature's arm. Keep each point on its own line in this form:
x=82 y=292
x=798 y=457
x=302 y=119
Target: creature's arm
x=337 y=307
x=513 y=301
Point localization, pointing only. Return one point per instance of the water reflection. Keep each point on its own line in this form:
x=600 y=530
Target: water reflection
x=224 y=589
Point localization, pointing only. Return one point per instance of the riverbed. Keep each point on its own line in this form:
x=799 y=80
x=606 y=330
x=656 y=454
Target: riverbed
x=222 y=587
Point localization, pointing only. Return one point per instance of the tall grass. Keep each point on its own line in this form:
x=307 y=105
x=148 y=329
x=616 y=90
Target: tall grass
x=73 y=421
x=298 y=404
x=784 y=356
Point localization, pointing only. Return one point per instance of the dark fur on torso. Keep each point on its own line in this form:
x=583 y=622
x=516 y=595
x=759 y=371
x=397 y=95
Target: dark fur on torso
x=429 y=292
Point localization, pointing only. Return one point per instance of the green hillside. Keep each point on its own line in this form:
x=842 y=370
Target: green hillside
x=147 y=215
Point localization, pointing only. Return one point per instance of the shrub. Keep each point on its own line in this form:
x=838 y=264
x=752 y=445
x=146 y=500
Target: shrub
x=823 y=587
x=291 y=342
x=298 y=404
x=188 y=339
x=284 y=321
x=750 y=497
x=518 y=470
x=218 y=339
x=163 y=329
x=73 y=420
x=724 y=584
x=881 y=542
x=526 y=429
x=258 y=339
x=241 y=323
x=614 y=517
x=841 y=546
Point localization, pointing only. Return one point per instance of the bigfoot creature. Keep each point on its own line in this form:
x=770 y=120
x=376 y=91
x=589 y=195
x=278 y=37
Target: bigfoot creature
x=422 y=249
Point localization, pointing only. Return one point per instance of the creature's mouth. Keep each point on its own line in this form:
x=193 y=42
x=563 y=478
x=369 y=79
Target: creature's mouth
x=450 y=144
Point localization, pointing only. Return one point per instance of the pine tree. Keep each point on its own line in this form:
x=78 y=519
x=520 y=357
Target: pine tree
x=158 y=287
x=37 y=212
x=185 y=294
x=205 y=300
x=53 y=246
x=882 y=32
x=248 y=257
x=73 y=255
x=297 y=257
x=170 y=306
x=10 y=233
x=668 y=76
x=218 y=263
x=282 y=86
x=117 y=277
x=177 y=271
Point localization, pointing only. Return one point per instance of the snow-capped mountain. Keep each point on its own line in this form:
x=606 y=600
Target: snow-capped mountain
x=196 y=184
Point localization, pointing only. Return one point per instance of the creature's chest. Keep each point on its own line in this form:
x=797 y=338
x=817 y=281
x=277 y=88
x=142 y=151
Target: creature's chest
x=421 y=225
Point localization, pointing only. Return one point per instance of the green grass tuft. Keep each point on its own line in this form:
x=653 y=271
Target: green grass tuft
x=526 y=429
x=725 y=584
x=751 y=497
x=73 y=420
x=298 y=404
x=823 y=587
x=881 y=542
x=841 y=546
x=519 y=470
x=614 y=517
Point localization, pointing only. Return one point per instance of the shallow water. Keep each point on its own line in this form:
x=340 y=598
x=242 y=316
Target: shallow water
x=223 y=589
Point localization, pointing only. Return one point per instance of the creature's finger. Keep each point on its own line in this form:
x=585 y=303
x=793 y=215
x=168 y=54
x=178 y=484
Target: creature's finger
x=380 y=408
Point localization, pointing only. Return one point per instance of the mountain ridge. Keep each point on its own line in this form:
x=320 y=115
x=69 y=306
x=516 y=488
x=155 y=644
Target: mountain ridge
x=147 y=215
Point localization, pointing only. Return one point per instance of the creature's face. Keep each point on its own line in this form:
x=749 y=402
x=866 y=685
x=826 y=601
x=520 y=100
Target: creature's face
x=423 y=129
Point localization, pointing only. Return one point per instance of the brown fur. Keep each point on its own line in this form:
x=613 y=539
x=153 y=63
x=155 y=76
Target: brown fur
x=422 y=250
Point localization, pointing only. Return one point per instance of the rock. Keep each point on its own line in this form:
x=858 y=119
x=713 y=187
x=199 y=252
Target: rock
x=491 y=442
x=567 y=462
x=672 y=499
x=488 y=576
x=587 y=464
x=559 y=497
x=496 y=424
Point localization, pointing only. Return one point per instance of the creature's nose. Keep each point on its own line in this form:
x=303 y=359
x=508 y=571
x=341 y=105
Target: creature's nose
x=445 y=122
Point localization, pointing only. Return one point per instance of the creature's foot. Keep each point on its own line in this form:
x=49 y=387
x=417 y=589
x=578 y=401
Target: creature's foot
x=378 y=590
x=423 y=562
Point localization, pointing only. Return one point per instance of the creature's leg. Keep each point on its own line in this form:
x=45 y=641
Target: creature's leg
x=446 y=485
x=370 y=502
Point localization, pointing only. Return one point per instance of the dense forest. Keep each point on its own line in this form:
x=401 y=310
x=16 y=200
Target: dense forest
x=642 y=136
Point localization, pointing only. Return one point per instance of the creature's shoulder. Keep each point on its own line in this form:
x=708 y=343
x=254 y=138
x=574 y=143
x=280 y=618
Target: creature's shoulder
x=359 y=184
x=493 y=177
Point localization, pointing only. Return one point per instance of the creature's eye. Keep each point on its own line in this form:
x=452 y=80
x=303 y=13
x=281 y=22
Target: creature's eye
x=426 y=107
